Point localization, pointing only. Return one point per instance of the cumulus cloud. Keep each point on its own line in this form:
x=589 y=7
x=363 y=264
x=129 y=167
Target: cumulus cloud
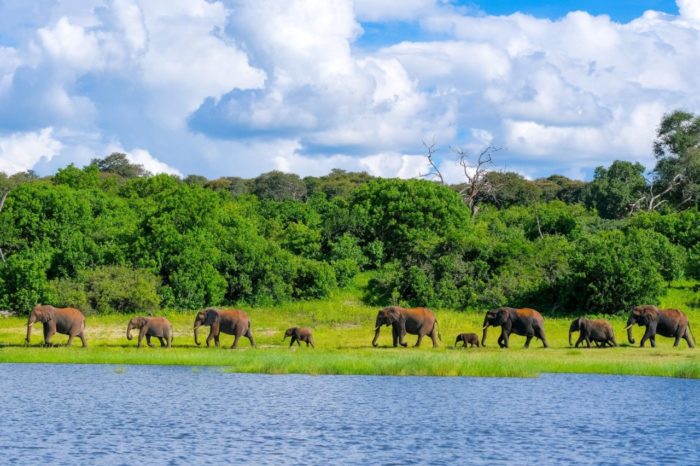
x=241 y=87
x=22 y=151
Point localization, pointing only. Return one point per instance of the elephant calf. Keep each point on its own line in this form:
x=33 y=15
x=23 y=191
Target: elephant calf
x=598 y=331
x=158 y=327
x=299 y=334
x=471 y=338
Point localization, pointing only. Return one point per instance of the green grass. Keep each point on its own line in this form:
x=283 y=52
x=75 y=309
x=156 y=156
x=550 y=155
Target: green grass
x=343 y=332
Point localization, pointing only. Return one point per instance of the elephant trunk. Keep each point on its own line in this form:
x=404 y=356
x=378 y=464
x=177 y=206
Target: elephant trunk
x=630 y=338
x=570 y=332
x=376 y=335
x=196 y=341
x=29 y=330
x=128 y=331
x=483 y=338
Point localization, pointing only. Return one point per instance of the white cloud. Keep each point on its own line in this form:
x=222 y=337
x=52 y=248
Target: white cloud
x=22 y=151
x=150 y=163
x=689 y=9
x=241 y=87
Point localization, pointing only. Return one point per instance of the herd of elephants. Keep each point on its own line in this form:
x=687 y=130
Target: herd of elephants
x=418 y=321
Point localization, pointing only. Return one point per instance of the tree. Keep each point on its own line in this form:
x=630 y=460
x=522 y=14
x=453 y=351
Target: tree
x=3 y=197
x=677 y=151
x=279 y=186
x=615 y=190
x=118 y=164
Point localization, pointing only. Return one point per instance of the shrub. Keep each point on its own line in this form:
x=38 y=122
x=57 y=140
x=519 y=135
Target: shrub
x=122 y=289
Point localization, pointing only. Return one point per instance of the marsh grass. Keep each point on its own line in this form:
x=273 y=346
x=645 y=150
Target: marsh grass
x=343 y=329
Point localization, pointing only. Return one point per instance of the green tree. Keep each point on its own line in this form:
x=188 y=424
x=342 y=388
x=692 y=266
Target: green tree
x=614 y=190
x=279 y=186
x=118 y=164
x=677 y=151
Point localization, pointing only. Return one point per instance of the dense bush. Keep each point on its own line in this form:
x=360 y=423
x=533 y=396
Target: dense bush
x=108 y=238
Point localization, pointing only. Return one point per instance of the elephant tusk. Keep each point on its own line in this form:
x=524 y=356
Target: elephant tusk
x=629 y=326
x=485 y=327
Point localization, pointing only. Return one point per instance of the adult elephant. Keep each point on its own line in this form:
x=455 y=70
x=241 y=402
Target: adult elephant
x=416 y=321
x=598 y=331
x=158 y=327
x=67 y=321
x=526 y=322
x=233 y=322
x=667 y=322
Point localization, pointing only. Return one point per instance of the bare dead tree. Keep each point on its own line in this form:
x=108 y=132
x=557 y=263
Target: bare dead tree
x=650 y=201
x=2 y=204
x=477 y=183
x=434 y=172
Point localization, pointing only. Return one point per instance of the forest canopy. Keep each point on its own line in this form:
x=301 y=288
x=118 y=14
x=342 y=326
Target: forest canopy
x=112 y=237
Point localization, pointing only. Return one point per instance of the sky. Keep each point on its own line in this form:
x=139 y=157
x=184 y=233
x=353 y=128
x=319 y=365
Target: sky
x=239 y=88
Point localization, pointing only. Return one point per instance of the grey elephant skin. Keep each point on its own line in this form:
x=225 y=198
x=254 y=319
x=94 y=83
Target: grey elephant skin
x=670 y=323
x=416 y=321
x=526 y=322
x=299 y=334
x=598 y=331
x=230 y=321
x=66 y=320
x=158 y=327
x=467 y=338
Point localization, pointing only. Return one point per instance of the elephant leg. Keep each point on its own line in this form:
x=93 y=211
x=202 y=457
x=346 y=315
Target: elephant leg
x=677 y=340
x=648 y=335
x=652 y=340
x=433 y=336
x=394 y=336
x=528 y=338
x=588 y=342
x=539 y=333
x=49 y=332
x=162 y=343
x=210 y=337
x=142 y=333
x=217 y=343
x=249 y=336
x=299 y=342
x=612 y=342
x=420 y=338
x=70 y=339
x=311 y=341
x=686 y=337
x=402 y=338
x=291 y=343
x=503 y=339
x=236 y=337
x=148 y=341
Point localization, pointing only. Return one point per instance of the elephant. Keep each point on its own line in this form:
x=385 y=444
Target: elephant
x=158 y=327
x=666 y=322
x=598 y=331
x=527 y=322
x=299 y=334
x=416 y=321
x=470 y=338
x=66 y=320
x=233 y=322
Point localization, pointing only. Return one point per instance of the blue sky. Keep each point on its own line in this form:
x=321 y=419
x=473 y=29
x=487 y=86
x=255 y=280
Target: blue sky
x=239 y=87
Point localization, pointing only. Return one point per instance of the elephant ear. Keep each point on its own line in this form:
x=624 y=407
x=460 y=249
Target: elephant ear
x=394 y=314
x=211 y=317
x=503 y=315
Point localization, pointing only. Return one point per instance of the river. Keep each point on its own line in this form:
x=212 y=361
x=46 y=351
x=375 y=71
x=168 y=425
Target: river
x=98 y=414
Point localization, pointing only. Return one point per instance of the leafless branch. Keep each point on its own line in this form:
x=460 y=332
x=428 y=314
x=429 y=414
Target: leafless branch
x=651 y=201
x=434 y=172
x=477 y=184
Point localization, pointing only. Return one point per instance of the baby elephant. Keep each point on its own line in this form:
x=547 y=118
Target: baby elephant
x=299 y=334
x=158 y=327
x=597 y=331
x=470 y=338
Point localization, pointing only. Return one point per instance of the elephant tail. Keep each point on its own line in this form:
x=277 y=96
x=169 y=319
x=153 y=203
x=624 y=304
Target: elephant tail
x=438 y=330
x=690 y=331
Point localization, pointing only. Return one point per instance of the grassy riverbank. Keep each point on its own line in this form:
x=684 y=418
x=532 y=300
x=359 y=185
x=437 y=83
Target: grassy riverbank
x=343 y=332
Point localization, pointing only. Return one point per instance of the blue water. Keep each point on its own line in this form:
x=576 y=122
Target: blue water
x=82 y=414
